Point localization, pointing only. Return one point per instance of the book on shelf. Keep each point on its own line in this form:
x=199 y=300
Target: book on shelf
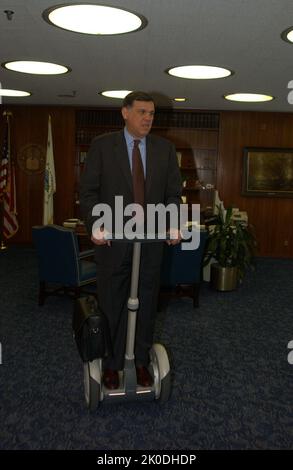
x=71 y=223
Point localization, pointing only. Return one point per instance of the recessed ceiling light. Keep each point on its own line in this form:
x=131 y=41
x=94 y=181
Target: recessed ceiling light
x=248 y=97
x=115 y=93
x=15 y=93
x=287 y=35
x=94 y=19
x=179 y=100
x=34 y=67
x=199 y=72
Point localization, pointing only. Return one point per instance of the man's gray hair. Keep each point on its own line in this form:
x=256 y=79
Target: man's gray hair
x=136 y=96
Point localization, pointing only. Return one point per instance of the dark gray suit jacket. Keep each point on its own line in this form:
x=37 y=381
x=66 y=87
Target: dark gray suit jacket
x=107 y=174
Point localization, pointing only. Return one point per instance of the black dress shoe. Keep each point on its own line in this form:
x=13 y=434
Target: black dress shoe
x=143 y=376
x=111 y=379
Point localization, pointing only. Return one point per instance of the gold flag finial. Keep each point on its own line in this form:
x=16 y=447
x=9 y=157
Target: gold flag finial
x=3 y=246
x=7 y=113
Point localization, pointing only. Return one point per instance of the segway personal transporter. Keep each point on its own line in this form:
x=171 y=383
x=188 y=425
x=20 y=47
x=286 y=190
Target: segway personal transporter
x=96 y=392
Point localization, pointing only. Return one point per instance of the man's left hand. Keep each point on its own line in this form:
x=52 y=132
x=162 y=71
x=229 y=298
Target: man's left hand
x=175 y=236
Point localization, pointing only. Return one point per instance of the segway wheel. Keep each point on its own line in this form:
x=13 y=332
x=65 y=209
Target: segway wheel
x=162 y=376
x=92 y=384
x=165 y=389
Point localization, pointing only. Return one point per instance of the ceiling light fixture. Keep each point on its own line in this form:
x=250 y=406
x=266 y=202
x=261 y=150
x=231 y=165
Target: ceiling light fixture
x=248 y=97
x=287 y=35
x=94 y=19
x=179 y=100
x=34 y=67
x=15 y=93
x=199 y=72
x=120 y=94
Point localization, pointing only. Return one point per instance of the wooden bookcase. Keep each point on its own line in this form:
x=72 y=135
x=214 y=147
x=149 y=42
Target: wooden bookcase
x=198 y=170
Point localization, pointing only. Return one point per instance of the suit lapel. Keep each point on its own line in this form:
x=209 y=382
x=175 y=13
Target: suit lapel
x=122 y=158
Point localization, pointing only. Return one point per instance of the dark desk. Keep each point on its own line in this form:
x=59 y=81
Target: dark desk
x=80 y=230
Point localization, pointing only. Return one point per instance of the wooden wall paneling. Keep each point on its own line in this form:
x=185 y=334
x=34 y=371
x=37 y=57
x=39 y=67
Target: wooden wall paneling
x=29 y=125
x=191 y=138
x=270 y=216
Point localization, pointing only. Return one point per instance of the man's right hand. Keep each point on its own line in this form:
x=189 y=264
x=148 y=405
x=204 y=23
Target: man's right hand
x=98 y=237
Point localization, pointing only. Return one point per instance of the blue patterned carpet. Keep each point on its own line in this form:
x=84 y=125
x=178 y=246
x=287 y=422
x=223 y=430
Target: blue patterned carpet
x=232 y=384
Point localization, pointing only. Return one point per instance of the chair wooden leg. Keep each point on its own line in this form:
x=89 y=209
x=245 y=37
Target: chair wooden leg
x=42 y=293
x=195 y=288
x=160 y=302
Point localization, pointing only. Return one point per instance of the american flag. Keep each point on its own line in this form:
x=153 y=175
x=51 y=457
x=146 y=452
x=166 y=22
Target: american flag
x=4 y=165
x=7 y=188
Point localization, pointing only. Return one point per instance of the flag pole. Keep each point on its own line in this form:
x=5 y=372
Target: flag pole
x=3 y=246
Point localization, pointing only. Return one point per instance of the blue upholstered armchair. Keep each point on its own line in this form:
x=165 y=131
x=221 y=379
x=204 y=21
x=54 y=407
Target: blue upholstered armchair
x=181 y=271
x=61 y=262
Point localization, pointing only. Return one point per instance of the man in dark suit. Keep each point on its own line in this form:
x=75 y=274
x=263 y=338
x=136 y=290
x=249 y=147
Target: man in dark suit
x=109 y=172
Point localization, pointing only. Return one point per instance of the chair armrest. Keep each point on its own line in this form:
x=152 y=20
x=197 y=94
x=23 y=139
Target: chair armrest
x=86 y=254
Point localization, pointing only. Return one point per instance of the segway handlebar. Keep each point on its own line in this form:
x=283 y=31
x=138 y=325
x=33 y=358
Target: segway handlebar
x=143 y=238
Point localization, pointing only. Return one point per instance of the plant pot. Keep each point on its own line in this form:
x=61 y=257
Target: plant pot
x=223 y=279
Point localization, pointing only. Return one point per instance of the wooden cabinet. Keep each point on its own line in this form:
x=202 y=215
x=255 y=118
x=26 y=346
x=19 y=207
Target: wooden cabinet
x=198 y=170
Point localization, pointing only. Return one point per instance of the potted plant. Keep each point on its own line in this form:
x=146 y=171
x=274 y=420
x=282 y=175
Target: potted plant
x=231 y=245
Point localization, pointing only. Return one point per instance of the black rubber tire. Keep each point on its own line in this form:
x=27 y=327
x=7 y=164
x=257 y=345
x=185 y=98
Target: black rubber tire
x=165 y=389
x=92 y=391
x=160 y=360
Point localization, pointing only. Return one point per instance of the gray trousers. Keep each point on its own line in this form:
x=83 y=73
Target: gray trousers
x=113 y=287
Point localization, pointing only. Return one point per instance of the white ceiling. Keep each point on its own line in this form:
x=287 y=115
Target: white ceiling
x=242 y=35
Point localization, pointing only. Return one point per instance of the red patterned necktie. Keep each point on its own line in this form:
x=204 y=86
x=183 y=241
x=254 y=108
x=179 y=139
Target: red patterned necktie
x=137 y=174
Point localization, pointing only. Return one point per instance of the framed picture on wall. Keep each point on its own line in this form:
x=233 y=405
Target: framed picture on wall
x=267 y=172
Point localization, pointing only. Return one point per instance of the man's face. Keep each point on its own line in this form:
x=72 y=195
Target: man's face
x=139 y=118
